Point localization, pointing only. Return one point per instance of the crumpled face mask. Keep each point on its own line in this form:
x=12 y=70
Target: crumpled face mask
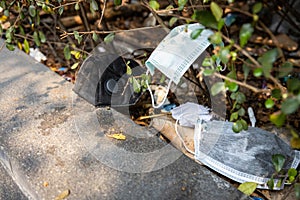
x=244 y=156
x=188 y=113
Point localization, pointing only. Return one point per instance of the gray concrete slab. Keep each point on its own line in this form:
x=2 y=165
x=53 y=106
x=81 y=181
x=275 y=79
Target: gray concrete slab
x=51 y=141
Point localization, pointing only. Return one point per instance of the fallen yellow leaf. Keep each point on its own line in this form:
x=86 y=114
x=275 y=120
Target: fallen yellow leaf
x=63 y=195
x=118 y=136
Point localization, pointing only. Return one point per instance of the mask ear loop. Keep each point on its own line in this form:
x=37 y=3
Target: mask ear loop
x=151 y=94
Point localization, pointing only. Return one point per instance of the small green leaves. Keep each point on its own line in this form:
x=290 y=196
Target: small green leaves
x=270 y=183
x=216 y=10
x=154 y=4
x=95 y=37
x=224 y=55
x=278 y=118
x=276 y=93
x=208 y=72
x=36 y=38
x=136 y=85
x=257 y=7
x=269 y=103
x=292 y=173
x=278 y=161
x=32 y=10
x=67 y=52
x=267 y=60
x=42 y=37
x=128 y=68
x=77 y=6
x=26 y=46
x=10 y=47
x=77 y=36
x=293 y=85
x=109 y=38
x=75 y=65
x=285 y=69
x=258 y=72
x=94 y=5
x=196 y=33
x=217 y=88
x=216 y=38
x=61 y=10
x=206 y=18
x=172 y=21
x=247 y=188
x=297 y=190
x=181 y=4
x=245 y=34
x=290 y=105
x=117 y=2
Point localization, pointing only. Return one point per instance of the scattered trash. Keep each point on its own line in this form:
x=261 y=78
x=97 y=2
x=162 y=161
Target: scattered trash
x=251 y=116
x=118 y=136
x=188 y=113
x=242 y=157
x=63 y=195
x=37 y=55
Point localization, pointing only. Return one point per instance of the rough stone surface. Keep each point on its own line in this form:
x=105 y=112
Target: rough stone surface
x=45 y=151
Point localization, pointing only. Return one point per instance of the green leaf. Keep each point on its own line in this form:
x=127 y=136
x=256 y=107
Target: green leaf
x=240 y=97
x=244 y=124
x=208 y=72
x=26 y=46
x=10 y=47
x=278 y=118
x=278 y=161
x=293 y=85
x=6 y=13
x=217 y=88
x=224 y=55
x=154 y=4
x=136 y=85
x=172 y=21
x=258 y=72
x=257 y=7
x=246 y=68
x=292 y=173
x=237 y=126
x=216 y=10
x=206 y=62
x=297 y=190
x=267 y=60
x=61 y=10
x=32 y=10
x=270 y=183
x=285 y=69
x=75 y=65
x=95 y=37
x=94 y=5
x=241 y=112
x=221 y=23
x=109 y=38
x=128 y=69
x=196 y=33
x=206 y=18
x=117 y=2
x=276 y=93
x=181 y=4
x=216 y=38
x=247 y=187
x=67 y=52
x=77 y=6
x=42 y=37
x=231 y=86
x=36 y=38
x=245 y=34
x=289 y=106
x=234 y=116
x=77 y=36
x=269 y=103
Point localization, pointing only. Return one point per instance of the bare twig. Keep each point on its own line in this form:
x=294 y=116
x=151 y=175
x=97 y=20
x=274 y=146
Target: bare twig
x=250 y=87
x=102 y=13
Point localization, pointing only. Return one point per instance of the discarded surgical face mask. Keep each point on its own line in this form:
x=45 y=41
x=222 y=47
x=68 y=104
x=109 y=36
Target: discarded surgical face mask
x=244 y=156
x=177 y=51
x=188 y=113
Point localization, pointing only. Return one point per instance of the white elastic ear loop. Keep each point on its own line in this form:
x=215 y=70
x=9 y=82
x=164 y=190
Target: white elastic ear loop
x=179 y=136
x=152 y=97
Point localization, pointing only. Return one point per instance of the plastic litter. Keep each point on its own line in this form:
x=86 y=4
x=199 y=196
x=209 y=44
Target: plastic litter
x=37 y=54
x=251 y=116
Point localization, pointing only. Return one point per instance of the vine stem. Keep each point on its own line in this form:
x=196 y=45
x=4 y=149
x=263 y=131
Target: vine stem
x=255 y=62
x=254 y=89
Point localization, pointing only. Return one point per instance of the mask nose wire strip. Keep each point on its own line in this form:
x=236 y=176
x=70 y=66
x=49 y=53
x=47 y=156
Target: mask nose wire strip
x=151 y=94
